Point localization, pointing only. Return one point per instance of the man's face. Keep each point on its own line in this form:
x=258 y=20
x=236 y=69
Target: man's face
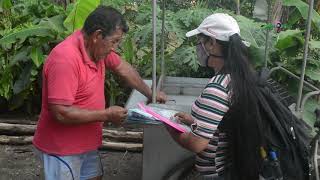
x=102 y=46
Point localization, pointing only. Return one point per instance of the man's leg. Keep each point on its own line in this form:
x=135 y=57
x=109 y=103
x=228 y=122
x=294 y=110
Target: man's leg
x=60 y=167
x=92 y=167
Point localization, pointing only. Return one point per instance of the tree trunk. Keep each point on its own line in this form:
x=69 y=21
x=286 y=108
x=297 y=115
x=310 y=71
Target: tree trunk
x=238 y=7
x=277 y=11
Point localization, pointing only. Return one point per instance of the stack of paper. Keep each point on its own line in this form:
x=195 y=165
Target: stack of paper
x=154 y=115
x=137 y=116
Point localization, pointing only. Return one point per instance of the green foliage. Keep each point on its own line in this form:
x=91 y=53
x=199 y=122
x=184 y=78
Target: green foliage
x=303 y=9
x=81 y=9
x=121 y=4
x=28 y=31
x=254 y=33
x=308 y=114
x=20 y=35
x=186 y=56
x=290 y=48
x=314 y=44
x=37 y=56
x=178 y=49
x=5 y=5
x=289 y=42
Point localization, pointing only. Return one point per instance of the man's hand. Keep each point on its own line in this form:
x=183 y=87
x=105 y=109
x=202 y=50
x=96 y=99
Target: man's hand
x=184 y=118
x=160 y=98
x=134 y=80
x=116 y=115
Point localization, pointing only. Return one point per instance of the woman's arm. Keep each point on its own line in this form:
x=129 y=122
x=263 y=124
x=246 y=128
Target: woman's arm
x=189 y=140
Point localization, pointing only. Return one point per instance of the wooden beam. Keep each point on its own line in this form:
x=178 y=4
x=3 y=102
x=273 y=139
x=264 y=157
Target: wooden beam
x=124 y=136
x=106 y=145
x=114 y=135
x=15 y=140
x=16 y=129
x=120 y=146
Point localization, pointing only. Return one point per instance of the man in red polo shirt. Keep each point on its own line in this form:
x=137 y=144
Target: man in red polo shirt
x=69 y=130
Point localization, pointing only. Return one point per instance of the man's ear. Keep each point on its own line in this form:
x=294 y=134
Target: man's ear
x=97 y=35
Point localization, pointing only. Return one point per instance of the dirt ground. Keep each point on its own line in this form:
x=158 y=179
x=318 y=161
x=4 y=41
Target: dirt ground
x=20 y=163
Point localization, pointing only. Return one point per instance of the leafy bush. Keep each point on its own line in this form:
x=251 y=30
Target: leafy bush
x=28 y=31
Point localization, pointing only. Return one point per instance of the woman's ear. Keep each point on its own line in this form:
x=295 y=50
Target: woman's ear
x=212 y=43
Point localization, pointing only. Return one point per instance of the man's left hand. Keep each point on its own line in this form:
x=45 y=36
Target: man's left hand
x=160 y=98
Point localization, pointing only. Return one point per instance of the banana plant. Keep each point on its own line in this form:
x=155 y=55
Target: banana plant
x=28 y=31
x=81 y=9
x=302 y=11
x=5 y=5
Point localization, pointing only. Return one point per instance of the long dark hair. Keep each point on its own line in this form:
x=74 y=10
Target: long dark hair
x=241 y=121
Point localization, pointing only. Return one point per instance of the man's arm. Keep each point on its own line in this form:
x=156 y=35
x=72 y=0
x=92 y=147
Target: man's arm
x=73 y=115
x=132 y=77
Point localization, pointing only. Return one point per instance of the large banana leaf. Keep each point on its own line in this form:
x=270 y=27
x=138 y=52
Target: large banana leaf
x=5 y=4
x=55 y=23
x=24 y=79
x=289 y=42
x=249 y=30
x=303 y=9
x=21 y=55
x=313 y=73
x=314 y=44
x=308 y=111
x=23 y=34
x=254 y=33
x=79 y=13
x=37 y=56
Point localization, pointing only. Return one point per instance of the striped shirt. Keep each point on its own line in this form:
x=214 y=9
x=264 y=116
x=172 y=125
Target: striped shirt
x=207 y=112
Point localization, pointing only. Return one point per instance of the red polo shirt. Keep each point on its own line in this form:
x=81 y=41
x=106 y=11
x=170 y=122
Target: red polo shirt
x=70 y=77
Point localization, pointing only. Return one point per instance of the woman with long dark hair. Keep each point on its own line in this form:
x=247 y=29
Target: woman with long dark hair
x=230 y=98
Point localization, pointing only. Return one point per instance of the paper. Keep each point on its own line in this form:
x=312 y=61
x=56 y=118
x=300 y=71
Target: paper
x=138 y=116
x=165 y=116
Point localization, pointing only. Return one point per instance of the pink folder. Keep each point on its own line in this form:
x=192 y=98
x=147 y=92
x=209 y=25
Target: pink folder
x=176 y=126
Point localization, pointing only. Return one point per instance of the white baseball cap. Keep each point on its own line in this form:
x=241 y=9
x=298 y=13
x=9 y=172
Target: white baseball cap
x=219 y=26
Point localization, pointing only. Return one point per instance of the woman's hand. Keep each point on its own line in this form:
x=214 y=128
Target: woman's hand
x=184 y=118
